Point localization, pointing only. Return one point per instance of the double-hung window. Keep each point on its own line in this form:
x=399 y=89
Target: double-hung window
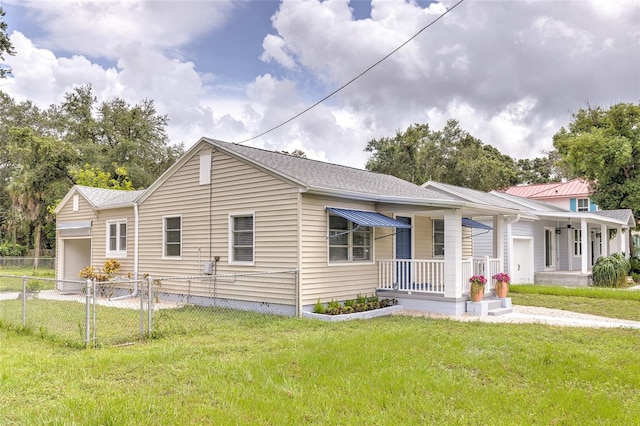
x=116 y=238
x=348 y=241
x=242 y=231
x=172 y=236
x=438 y=237
x=577 y=242
x=583 y=204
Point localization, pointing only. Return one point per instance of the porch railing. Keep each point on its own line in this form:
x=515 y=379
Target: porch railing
x=480 y=266
x=425 y=276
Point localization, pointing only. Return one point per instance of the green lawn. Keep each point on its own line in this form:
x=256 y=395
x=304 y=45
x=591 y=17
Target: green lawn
x=608 y=302
x=208 y=366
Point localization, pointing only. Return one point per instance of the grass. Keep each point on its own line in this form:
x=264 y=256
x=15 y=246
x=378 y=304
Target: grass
x=608 y=302
x=399 y=370
x=8 y=283
x=213 y=366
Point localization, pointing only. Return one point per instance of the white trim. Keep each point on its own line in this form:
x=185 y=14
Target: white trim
x=413 y=235
x=230 y=227
x=349 y=261
x=551 y=267
x=117 y=253
x=433 y=239
x=205 y=168
x=574 y=241
x=512 y=266
x=164 y=236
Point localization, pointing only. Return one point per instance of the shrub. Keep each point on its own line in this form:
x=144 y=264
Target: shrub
x=634 y=265
x=319 y=307
x=610 y=271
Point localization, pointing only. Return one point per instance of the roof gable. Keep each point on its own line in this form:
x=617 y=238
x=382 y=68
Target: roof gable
x=101 y=198
x=317 y=176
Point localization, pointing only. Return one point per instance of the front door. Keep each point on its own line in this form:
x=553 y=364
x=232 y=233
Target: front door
x=403 y=251
x=522 y=262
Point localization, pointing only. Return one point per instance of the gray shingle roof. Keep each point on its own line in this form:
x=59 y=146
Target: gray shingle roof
x=320 y=175
x=103 y=198
x=534 y=206
x=623 y=215
x=473 y=195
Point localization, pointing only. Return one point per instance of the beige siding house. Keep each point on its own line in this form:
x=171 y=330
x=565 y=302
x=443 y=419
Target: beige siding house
x=226 y=209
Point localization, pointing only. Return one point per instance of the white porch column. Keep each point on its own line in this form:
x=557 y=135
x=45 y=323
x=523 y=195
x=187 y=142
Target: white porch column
x=620 y=241
x=604 y=240
x=585 y=246
x=453 y=253
x=498 y=239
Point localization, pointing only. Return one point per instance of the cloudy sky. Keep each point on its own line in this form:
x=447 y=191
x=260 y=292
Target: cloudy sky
x=511 y=72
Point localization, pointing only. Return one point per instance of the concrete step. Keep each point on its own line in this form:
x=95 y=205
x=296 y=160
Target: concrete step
x=499 y=311
x=493 y=303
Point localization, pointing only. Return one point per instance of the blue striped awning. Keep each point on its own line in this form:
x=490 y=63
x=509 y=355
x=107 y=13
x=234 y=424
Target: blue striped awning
x=473 y=224
x=364 y=218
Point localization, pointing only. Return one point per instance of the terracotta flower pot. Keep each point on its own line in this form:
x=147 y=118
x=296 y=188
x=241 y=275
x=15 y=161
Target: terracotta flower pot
x=502 y=289
x=477 y=292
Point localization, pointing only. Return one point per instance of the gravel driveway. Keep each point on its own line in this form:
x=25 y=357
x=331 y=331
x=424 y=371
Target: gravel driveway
x=533 y=314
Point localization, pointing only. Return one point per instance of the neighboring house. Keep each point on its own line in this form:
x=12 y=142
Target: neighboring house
x=547 y=244
x=246 y=210
x=573 y=195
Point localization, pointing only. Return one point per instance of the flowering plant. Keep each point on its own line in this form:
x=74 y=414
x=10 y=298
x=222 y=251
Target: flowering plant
x=502 y=277
x=478 y=279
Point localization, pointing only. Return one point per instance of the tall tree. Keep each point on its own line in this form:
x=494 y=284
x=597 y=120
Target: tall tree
x=5 y=45
x=450 y=155
x=603 y=146
x=37 y=163
x=115 y=134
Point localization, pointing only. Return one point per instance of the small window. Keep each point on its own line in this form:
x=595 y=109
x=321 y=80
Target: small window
x=438 y=237
x=116 y=237
x=173 y=236
x=583 y=204
x=577 y=242
x=348 y=241
x=242 y=241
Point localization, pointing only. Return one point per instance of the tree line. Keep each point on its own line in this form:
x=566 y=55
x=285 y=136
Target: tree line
x=600 y=145
x=44 y=152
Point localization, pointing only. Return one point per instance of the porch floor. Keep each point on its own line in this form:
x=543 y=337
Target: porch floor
x=563 y=278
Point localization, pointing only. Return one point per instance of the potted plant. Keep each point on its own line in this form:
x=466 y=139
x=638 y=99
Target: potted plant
x=477 y=287
x=502 y=284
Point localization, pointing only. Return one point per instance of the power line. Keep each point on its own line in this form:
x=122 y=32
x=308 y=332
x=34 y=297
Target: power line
x=354 y=78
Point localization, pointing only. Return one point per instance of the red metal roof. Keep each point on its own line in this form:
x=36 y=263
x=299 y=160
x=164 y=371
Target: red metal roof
x=576 y=188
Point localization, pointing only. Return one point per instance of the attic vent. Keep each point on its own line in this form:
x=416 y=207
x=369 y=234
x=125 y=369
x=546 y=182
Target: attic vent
x=76 y=202
x=205 y=168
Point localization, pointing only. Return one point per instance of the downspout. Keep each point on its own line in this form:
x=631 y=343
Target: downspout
x=135 y=256
x=510 y=222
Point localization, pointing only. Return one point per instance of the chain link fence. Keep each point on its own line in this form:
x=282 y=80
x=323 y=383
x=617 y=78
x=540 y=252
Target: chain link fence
x=122 y=311
x=11 y=262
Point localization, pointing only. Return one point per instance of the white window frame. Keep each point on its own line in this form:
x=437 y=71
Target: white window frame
x=164 y=236
x=580 y=208
x=577 y=242
x=351 y=226
x=231 y=239
x=205 y=168
x=433 y=234
x=118 y=252
x=552 y=232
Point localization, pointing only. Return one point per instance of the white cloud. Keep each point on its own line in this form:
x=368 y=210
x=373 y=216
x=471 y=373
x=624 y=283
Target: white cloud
x=510 y=72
